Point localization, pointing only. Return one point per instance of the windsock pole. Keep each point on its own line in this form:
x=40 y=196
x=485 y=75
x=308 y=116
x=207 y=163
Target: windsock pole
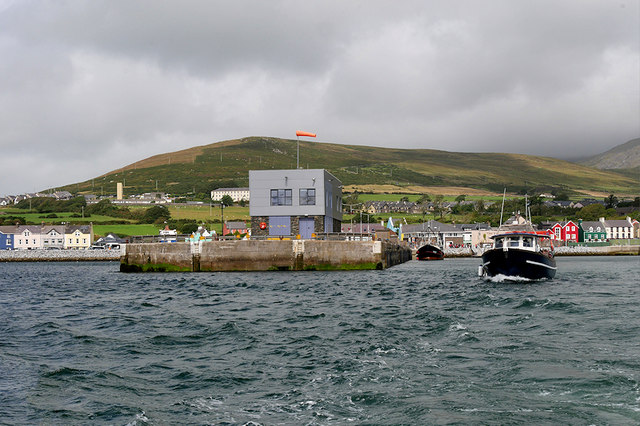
x=298 y=134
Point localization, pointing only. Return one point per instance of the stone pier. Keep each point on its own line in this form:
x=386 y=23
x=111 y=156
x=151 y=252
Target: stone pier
x=263 y=255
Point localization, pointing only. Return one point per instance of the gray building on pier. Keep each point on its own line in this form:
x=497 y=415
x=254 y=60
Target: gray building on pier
x=292 y=203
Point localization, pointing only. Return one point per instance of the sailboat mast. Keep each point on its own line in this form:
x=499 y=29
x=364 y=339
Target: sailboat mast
x=502 y=209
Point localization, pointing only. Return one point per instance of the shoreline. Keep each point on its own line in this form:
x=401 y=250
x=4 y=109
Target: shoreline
x=115 y=255
x=59 y=255
x=626 y=250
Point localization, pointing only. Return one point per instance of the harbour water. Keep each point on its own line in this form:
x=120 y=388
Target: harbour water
x=419 y=343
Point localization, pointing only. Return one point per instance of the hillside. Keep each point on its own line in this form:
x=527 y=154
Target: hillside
x=625 y=156
x=226 y=164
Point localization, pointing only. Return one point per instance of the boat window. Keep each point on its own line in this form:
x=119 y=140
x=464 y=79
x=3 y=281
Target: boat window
x=498 y=243
x=528 y=242
x=514 y=242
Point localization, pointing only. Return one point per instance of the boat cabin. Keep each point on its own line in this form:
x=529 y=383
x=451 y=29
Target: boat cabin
x=516 y=241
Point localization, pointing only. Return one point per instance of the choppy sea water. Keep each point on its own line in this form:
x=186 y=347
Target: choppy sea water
x=420 y=343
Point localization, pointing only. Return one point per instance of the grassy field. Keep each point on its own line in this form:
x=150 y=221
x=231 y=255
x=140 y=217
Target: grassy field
x=204 y=213
x=62 y=217
x=133 y=229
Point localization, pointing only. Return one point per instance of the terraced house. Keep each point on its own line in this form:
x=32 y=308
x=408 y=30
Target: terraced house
x=565 y=232
x=33 y=237
x=78 y=236
x=6 y=237
x=27 y=237
x=53 y=237
x=591 y=231
x=618 y=229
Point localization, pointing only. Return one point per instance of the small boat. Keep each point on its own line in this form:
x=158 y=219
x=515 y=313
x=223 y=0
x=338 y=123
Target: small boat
x=518 y=251
x=429 y=252
x=519 y=254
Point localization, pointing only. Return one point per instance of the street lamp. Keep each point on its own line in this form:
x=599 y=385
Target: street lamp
x=222 y=206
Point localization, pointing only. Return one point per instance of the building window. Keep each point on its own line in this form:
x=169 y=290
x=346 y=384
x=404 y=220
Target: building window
x=308 y=197
x=281 y=197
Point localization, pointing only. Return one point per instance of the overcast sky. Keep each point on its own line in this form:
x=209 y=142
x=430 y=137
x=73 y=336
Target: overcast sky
x=88 y=87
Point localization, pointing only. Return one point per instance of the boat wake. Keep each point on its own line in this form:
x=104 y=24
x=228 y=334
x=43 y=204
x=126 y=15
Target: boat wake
x=511 y=278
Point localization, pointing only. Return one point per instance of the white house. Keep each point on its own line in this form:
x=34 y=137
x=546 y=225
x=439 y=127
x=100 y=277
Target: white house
x=27 y=237
x=618 y=229
x=53 y=237
x=236 y=194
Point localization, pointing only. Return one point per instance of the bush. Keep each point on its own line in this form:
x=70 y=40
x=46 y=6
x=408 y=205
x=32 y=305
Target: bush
x=189 y=228
x=156 y=214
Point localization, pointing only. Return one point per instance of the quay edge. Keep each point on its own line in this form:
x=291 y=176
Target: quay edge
x=262 y=255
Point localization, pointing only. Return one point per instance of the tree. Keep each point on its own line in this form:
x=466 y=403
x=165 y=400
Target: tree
x=536 y=200
x=425 y=198
x=227 y=200
x=156 y=214
x=438 y=204
x=189 y=228
x=460 y=198
x=611 y=201
x=592 y=212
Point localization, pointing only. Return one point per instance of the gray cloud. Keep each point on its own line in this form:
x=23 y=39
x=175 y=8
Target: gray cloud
x=86 y=87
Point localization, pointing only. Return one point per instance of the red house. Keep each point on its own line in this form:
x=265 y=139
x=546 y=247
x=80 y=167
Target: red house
x=234 y=228
x=565 y=231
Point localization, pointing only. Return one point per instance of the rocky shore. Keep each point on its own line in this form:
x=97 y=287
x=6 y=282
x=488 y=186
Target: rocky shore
x=58 y=255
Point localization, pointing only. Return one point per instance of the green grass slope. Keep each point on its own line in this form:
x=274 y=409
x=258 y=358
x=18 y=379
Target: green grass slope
x=226 y=164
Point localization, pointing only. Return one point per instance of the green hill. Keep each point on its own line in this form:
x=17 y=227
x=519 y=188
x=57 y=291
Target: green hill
x=226 y=164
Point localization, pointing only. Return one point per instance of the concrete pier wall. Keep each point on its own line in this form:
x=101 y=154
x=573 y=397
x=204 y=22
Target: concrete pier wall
x=253 y=255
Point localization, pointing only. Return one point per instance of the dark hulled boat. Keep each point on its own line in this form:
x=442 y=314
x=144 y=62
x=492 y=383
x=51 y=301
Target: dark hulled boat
x=429 y=252
x=519 y=254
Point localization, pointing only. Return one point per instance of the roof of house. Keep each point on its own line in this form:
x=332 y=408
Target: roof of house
x=7 y=229
x=430 y=226
x=231 y=189
x=85 y=229
x=236 y=225
x=592 y=224
x=618 y=223
x=110 y=238
x=366 y=227
x=32 y=228
x=474 y=226
x=48 y=228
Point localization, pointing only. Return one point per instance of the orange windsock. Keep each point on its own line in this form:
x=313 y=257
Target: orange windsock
x=301 y=133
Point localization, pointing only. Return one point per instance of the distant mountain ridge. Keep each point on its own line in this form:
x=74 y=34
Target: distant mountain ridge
x=226 y=164
x=625 y=156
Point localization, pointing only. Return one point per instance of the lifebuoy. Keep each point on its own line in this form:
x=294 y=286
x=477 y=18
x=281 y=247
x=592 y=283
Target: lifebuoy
x=263 y=225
